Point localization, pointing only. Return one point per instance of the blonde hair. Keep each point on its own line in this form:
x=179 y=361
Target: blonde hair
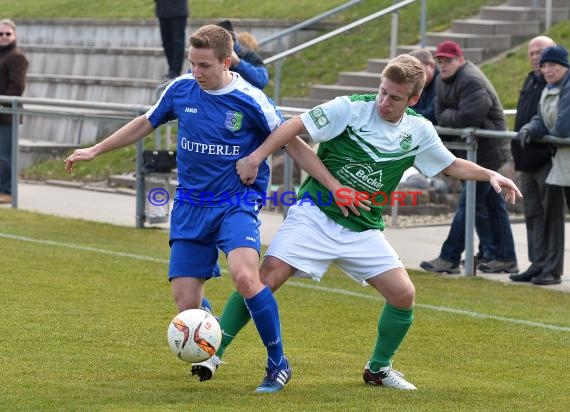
x=406 y=69
x=8 y=22
x=213 y=37
x=248 y=40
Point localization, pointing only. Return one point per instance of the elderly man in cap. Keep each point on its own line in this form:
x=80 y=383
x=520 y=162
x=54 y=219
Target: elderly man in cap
x=466 y=98
x=553 y=118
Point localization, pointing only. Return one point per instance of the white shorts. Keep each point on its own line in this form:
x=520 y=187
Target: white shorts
x=310 y=241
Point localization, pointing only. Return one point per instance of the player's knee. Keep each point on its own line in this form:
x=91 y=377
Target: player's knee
x=247 y=284
x=404 y=298
x=186 y=302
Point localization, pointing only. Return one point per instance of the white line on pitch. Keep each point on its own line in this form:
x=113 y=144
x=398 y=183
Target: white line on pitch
x=435 y=308
x=299 y=284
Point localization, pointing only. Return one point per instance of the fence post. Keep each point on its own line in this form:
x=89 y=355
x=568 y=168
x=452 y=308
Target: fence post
x=15 y=152
x=423 y=23
x=470 y=269
x=394 y=33
x=278 y=74
x=548 y=17
x=140 y=190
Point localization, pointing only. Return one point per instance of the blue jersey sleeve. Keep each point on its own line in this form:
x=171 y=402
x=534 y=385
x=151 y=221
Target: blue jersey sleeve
x=163 y=109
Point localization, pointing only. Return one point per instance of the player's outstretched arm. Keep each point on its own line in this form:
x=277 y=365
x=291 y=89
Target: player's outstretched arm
x=466 y=170
x=130 y=133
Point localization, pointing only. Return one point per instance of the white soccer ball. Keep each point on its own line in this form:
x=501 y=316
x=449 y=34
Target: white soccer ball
x=194 y=335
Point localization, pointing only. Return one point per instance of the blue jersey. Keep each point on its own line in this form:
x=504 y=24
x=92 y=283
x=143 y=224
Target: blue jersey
x=215 y=129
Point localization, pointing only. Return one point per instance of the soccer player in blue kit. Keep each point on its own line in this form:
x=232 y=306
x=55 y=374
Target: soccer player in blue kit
x=221 y=118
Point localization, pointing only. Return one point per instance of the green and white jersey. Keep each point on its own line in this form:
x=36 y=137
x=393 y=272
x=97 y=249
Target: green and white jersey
x=368 y=154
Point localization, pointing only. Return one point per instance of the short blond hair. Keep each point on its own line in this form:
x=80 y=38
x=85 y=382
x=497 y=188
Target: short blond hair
x=213 y=37
x=406 y=69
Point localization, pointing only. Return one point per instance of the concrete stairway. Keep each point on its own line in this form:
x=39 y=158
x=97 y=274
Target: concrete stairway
x=492 y=31
x=114 y=61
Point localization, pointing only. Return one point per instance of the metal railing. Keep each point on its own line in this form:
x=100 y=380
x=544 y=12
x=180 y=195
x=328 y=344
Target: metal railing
x=393 y=40
x=98 y=111
x=105 y=111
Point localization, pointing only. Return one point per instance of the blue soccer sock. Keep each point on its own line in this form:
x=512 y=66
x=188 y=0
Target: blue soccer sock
x=206 y=305
x=265 y=315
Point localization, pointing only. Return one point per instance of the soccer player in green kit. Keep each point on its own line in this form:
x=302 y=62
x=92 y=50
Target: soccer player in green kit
x=366 y=142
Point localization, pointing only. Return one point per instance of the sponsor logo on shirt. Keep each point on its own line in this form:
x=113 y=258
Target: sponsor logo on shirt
x=361 y=176
x=209 y=149
x=233 y=120
x=319 y=117
x=191 y=110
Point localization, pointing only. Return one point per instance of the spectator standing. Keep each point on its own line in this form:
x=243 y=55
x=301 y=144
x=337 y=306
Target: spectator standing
x=543 y=204
x=172 y=18
x=246 y=61
x=466 y=98
x=13 y=69
x=553 y=118
x=426 y=105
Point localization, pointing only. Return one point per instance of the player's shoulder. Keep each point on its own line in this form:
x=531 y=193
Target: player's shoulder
x=242 y=86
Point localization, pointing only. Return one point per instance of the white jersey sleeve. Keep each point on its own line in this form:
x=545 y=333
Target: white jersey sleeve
x=432 y=156
x=327 y=121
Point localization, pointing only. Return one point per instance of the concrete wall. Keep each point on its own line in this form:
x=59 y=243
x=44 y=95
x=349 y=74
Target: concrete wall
x=116 y=61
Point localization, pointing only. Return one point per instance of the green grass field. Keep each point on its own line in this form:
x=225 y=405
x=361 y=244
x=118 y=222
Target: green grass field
x=85 y=308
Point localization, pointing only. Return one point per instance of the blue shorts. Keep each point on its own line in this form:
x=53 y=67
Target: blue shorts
x=197 y=233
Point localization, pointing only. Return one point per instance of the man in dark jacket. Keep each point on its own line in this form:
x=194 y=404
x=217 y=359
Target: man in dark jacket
x=172 y=18
x=246 y=62
x=466 y=98
x=13 y=69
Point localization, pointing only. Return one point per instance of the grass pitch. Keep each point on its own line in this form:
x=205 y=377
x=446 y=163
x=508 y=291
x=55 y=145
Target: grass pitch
x=85 y=308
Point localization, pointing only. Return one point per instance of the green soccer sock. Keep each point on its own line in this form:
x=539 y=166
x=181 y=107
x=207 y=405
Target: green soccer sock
x=393 y=326
x=234 y=317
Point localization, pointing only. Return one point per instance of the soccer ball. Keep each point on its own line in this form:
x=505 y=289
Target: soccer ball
x=194 y=335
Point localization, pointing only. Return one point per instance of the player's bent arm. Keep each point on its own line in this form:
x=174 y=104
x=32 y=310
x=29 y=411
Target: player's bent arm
x=308 y=160
x=130 y=133
x=247 y=167
x=279 y=138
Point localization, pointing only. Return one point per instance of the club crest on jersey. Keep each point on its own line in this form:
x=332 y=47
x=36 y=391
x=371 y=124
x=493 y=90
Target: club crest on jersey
x=319 y=117
x=406 y=142
x=233 y=120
